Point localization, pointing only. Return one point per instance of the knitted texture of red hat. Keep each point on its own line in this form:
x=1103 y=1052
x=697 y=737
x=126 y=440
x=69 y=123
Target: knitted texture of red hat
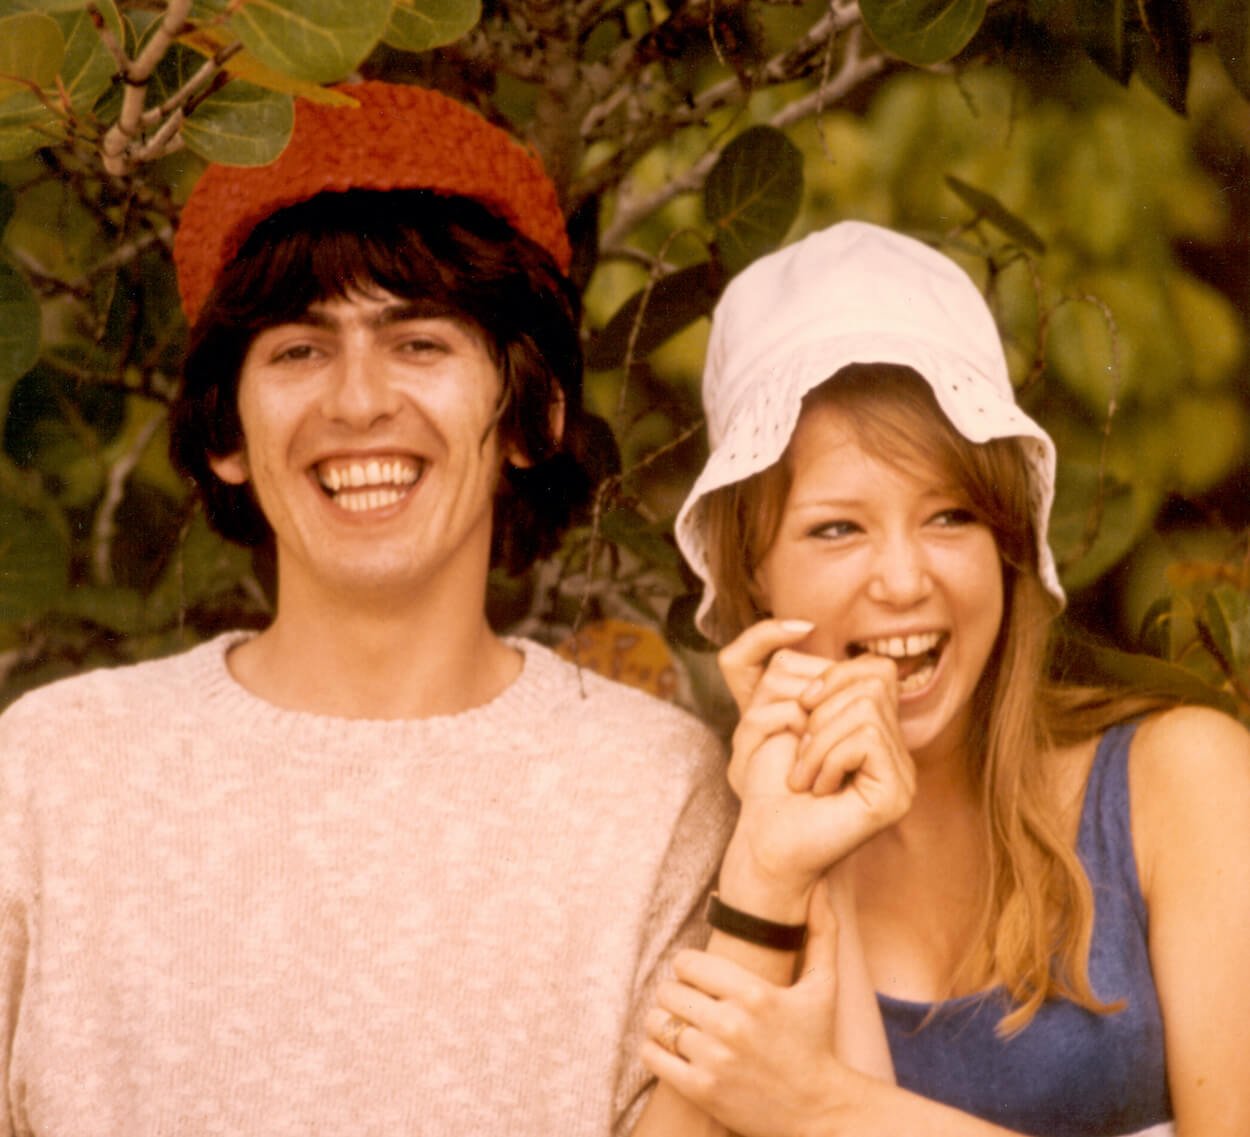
x=399 y=137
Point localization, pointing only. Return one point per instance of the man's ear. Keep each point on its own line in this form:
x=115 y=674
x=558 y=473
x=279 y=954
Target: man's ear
x=230 y=468
x=515 y=456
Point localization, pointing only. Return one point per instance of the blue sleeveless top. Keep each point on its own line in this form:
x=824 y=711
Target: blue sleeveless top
x=1070 y=1072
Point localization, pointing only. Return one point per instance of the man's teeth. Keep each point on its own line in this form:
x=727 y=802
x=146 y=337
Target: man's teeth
x=371 y=484
x=900 y=647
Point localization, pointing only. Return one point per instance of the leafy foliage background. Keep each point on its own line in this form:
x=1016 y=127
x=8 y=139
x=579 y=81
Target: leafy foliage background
x=1087 y=160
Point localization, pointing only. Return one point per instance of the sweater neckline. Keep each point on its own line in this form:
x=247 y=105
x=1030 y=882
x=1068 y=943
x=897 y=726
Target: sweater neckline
x=530 y=694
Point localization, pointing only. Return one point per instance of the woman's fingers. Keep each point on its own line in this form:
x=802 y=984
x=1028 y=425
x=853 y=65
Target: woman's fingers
x=757 y=725
x=744 y=661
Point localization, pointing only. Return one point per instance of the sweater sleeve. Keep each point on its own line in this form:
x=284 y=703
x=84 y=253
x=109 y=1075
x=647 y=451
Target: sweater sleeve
x=676 y=918
x=16 y=885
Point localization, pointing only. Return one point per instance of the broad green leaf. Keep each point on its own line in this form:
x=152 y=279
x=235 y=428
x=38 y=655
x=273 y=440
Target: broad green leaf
x=19 y=330
x=89 y=68
x=1145 y=672
x=31 y=50
x=47 y=7
x=1225 y=622
x=923 y=31
x=992 y=210
x=26 y=124
x=34 y=564
x=202 y=566
x=679 y=625
x=1155 y=634
x=1093 y=523
x=420 y=25
x=673 y=303
x=119 y=609
x=646 y=540
x=317 y=40
x=240 y=125
x=1209 y=435
x=206 y=41
x=752 y=195
x=1231 y=32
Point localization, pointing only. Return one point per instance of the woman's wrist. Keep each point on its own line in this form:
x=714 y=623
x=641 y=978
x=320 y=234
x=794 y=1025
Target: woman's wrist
x=746 y=885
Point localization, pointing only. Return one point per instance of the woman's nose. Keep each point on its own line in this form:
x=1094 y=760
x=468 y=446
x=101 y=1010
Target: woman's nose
x=900 y=572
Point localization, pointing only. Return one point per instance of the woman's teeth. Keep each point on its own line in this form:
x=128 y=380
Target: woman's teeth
x=916 y=656
x=371 y=484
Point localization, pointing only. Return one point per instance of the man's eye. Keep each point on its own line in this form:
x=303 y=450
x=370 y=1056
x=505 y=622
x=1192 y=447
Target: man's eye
x=420 y=344
x=295 y=353
x=953 y=517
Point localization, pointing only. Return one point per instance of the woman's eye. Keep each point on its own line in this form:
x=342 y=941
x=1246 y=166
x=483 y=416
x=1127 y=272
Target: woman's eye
x=832 y=530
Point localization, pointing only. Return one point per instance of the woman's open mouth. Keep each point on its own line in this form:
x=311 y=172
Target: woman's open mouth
x=916 y=656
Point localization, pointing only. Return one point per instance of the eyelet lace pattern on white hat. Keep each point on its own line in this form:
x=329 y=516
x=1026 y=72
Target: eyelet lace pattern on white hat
x=852 y=293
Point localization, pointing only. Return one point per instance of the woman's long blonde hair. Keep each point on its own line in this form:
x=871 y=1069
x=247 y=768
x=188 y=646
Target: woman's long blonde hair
x=1036 y=920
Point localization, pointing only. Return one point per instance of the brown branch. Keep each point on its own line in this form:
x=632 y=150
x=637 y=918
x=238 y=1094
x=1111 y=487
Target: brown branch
x=123 y=146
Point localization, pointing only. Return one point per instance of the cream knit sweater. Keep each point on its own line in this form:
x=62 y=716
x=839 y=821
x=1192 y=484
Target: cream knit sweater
x=219 y=917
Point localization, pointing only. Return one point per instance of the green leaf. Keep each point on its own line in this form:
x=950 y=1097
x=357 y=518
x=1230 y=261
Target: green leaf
x=679 y=625
x=753 y=194
x=26 y=124
x=31 y=50
x=48 y=7
x=19 y=331
x=318 y=40
x=1155 y=636
x=420 y=25
x=989 y=208
x=646 y=540
x=922 y=32
x=1146 y=673
x=120 y=610
x=673 y=303
x=89 y=69
x=34 y=564
x=1231 y=32
x=241 y=125
x=1093 y=524
x=1225 y=620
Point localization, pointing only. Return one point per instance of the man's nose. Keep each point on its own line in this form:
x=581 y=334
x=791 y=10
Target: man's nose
x=358 y=390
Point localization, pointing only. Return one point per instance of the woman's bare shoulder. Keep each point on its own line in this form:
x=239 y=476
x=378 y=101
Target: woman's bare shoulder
x=1190 y=785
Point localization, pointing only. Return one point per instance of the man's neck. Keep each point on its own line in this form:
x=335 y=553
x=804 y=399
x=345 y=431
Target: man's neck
x=376 y=661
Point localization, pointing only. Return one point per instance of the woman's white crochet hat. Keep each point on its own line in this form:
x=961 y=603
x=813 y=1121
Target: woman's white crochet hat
x=852 y=293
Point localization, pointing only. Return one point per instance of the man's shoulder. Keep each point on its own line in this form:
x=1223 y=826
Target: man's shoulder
x=616 y=709
x=105 y=690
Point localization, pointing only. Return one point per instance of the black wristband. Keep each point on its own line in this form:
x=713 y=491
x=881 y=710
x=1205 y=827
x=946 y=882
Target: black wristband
x=754 y=929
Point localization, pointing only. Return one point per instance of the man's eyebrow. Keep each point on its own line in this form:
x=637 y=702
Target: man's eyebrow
x=414 y=310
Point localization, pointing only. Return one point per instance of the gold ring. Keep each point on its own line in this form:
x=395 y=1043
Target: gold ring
x=670 y=1034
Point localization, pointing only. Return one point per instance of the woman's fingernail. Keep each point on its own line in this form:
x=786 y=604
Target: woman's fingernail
x=812 y=689
x=797 y=625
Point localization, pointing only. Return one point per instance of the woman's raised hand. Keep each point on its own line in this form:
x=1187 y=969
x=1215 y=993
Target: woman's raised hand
x=813 y=728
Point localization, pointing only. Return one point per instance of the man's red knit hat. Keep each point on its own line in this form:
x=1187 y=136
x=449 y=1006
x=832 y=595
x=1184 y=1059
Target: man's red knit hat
x=399 y=137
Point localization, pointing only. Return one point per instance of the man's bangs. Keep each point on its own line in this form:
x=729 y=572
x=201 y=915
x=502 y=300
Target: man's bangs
x=285 y=274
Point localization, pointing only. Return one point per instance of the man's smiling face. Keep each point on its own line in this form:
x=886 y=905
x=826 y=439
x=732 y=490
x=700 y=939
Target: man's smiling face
x=370 y=444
